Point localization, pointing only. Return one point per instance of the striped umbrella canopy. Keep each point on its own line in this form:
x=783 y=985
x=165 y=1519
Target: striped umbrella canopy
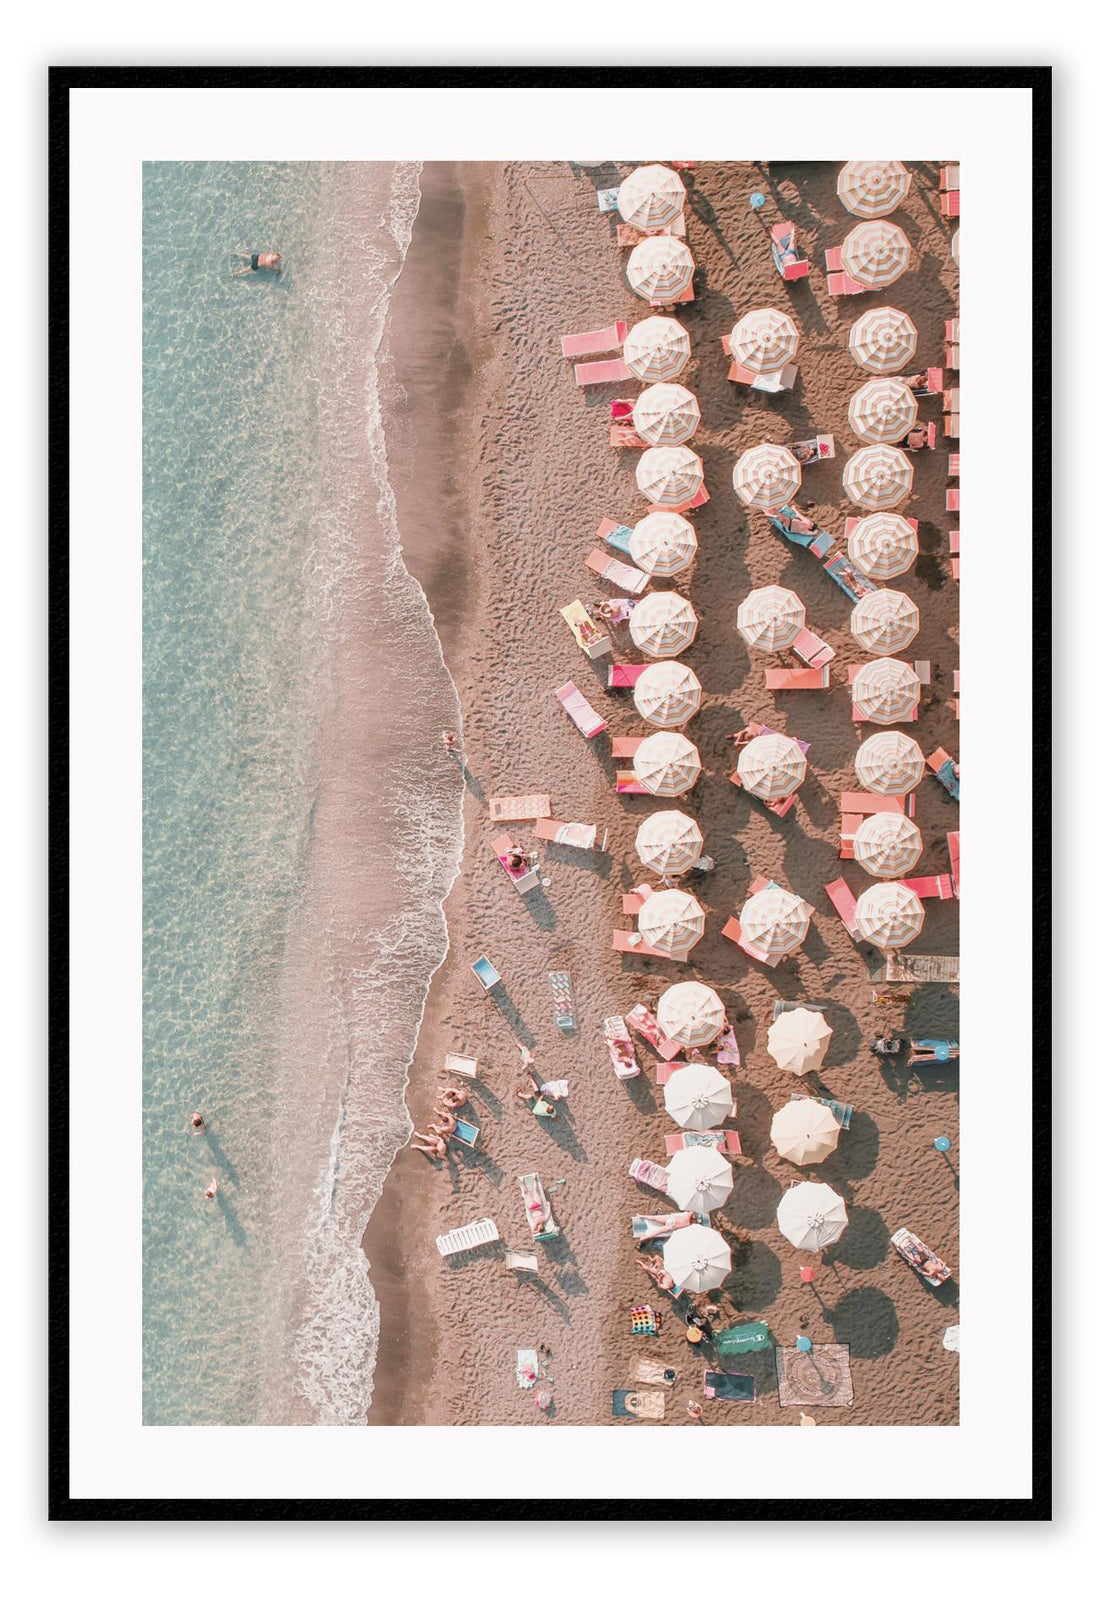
x=883 y=340
x=805 y=1131
x=889 y=916
x=691 y=1013
x=651 y=197
x=775 y=921
x=668 y=842
x=877 y=477
x=875 y=254
x=667 y=694
x=662 y=625
x=669 y=477
x=811 y=1216
x=885 y=621
x=890 y=763
x=771 y=618
x=888 y=845
x=673 y=921
x=771 y=766
x=663 y=543
x=698 y=1097
x=698 y=1258
x=872 y=189
x=799 y=1039
x=883 y=545
x=699 y=1179
x=660 y=269
x=764 y=340
x=886 y=690
x=666 y=764
x=657 y=348
x=667 y=414
x=767 y=476
x=883 y=410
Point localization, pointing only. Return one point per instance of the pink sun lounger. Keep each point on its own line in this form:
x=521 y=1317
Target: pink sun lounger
x=779 y=381
x=789 y=677
x=785 y=254
x=620 y=1048
x=610 y=570
x=812 y=650
x=633 y=900
x=866 y=802
x=604 y=370
x=731 y=929
x=586 y=717
x=642 y=1019
x=626 y=783
x=953 y=857
x=624 y=748
x=931 y=885
x=840 y=894
x=625 y=674
x=631 y=941
x=594 y=341
x=702 y=497
x=525 y=880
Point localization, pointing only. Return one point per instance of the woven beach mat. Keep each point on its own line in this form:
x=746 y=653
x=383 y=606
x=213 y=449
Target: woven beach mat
x=818 y=1377
x=644 y=1370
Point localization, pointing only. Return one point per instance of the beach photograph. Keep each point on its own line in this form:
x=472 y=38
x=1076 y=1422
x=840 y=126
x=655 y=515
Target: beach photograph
x=551 y=787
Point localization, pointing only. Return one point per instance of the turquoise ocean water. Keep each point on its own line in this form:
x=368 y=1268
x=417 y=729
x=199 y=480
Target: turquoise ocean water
x=270 y=542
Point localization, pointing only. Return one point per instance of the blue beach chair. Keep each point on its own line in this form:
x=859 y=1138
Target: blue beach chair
x=849 y=577
x=818 y=543
x=485 y=972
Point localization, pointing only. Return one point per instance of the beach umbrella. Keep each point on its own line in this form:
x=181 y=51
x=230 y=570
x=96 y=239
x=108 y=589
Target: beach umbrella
x=663 y=543
x=805 y=1131
x=771 y=618
x=698 y=1097
x=669 y=477
x=886 y=690
x=876 y=477
x=660 y=269
x=666 y=764
x=885 y=621
x=775 y=921
x=811 y=1215
x=883 y=410
x=875 y=254
x=890 y=763
x=764 y=340
x=668 y=842
x=889 y=916
x=883 y=545
x=651 y=197
x=883 y=340
x=656 y=349
x=668 y=414
x=767 y=476
x=699 y=1179
x=955 y=248
x=667 y=694
x=771 y=766
x=672 y=921
x=698 y=1258
x=691 y=1014
x=799 y=1039
x=887 y=845
x=663 y=624
x=872 y=189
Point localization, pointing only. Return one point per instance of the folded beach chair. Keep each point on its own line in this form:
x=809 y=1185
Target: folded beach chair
x=649 y=1174
x=728 y=1386
x=518 y=808
x=818 y=543
x=812 y=650
x=459 y=1064
x=624 y=674
x=620 y=1048
x=594 y=341
x=951 y=501
x=485 y=972
x=613 y=571
x=584 y=716
x=464 y=1132
x=840 y=894
x=582 y=836
x=608 y=200
x=592 y=639
x=669 y=1068
x=561 y=995
x=932 y=1050
x=537 y=1203
x=602 y=371
x=943 y=766
x=520 y=1260
x=726 y=1142
x=616 y=534
x=789 y=261
x=953 y=857
x=949 y=176
x=474 y=1236
x=793 y=678
x=642 y=1019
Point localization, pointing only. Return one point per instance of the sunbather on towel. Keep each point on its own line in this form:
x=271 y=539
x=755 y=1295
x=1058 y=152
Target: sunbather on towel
x=654 y=1267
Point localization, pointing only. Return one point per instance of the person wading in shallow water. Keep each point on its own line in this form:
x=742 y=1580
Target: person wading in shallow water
x=255 y=262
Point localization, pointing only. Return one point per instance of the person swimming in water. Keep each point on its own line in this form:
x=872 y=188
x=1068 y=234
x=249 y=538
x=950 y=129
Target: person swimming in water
x=256 y=262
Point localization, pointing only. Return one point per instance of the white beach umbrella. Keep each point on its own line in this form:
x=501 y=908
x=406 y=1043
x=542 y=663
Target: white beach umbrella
x=656 y=349
x=663 y=624
x=799 y=1039
x=771 y=766
x=771 y=618
x=775 y=921
x=805 y=1131
x=767 y=476
x=691 y=1013
x=883 y=340
x=875 y=254
x=669 y=477
x=885 y=621
x=666 y=764
x=764 y=340
x=873 y=189
x=660 y=269
x=698 y=1097
x=888 y=845
x=883 y=410
x=878 y=476
x=889 y=916
x=699 y=1179
x=890 y=763
x=667 y=694
x=886 y=690
x=698 y=1258
x=672 y=921
x=651 y=197
x=811 y=1215
x=668 y=842
x=955 y=248
x=668 y=413
x=663 y=543
x=883 y=545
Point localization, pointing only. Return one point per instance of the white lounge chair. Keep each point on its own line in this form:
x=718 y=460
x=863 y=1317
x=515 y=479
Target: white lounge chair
x=473 y=1236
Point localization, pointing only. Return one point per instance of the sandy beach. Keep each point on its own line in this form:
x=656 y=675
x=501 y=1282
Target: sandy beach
x=502 y=471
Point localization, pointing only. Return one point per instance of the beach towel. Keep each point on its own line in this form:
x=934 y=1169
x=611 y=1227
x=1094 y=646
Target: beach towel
x=728 y=1386
x=742 y=1339
x=638 y=1403
x=645 y=1320
x=555 y=1089
x=818 y=1377
x=648 y=1371
x=527 y=1368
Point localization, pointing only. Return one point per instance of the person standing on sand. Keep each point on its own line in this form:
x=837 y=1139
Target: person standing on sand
x=694 y=1410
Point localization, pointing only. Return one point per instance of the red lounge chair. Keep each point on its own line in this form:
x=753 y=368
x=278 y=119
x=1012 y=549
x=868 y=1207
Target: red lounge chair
x=780 y=808
x=785 y=253
x=728 y=1141
x=865 y=802
x=953 y=856
x=626 y=783
x=632 y=900
x=731 y=929
x=586 y=717
x=780 y=678
x=624 y=749
x=812 y=650
x=849 y=828
x=594 y=341
x=953 y=465
x=525 y=881
x=954 y=541
x=624 y=675
x=608 y=369
x=631 y=941
x=643 y=1020
x=952 y=501
x=938 y=885
x=951 y=425
x=949 y=203
x=610 y=570
x=665 y=1070
x=839 y=893
x=949 y=176
x=839 y=283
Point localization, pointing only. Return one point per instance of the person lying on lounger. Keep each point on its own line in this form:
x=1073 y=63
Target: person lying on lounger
x=918 y=437
x=917 y=384
x=431 y=1143
x=654 y=1267
x=802 y=524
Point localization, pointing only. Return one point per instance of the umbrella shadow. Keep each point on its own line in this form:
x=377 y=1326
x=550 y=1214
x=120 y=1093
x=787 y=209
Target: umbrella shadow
x=511 y=1014
x=756 y=1277
x=866 y=1321
x=755 y=1197
x=865 y=1242
x=753 y=1120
